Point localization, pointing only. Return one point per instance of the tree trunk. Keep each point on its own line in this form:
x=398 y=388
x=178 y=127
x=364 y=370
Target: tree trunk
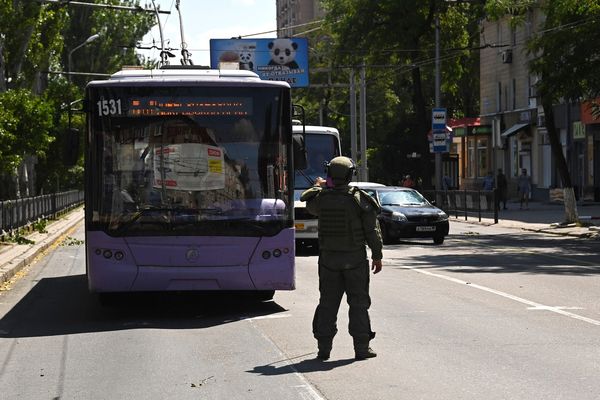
x=561 y=163
x=2 y=66
x=571 y=215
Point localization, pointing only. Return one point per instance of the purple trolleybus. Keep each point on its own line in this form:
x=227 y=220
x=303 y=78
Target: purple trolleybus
x=189 y=182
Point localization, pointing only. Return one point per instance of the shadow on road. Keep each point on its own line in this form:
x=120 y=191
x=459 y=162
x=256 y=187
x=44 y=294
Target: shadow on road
x=308 y=365
x=63 y=305
x=520 y=253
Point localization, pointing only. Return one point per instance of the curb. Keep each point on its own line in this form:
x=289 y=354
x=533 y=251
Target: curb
x=15 y=257
x=584 y=233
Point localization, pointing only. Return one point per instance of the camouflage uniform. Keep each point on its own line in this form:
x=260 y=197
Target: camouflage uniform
x=347 y=220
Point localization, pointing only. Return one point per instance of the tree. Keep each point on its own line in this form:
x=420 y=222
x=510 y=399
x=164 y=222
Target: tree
x=565 y=57
x=36 y=38
x=395 y=39
x=25 y=125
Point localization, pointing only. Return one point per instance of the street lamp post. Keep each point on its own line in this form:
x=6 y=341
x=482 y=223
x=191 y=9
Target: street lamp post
x=87 y=41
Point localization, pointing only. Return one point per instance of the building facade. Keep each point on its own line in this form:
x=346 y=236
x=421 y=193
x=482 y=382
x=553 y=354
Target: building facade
x=513 y=135
x=292 y=15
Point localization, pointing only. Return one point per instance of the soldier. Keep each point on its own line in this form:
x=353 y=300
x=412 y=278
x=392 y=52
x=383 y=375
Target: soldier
x=347 y=220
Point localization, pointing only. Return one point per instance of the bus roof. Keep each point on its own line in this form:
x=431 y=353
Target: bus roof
x=184 y=75
x=316 y=129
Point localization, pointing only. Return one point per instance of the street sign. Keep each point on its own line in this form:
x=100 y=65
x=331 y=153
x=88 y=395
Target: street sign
x=440 y=140
x=438 y=119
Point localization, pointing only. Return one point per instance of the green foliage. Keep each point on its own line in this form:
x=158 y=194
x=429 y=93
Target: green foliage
x=567 y=50
x=119 y=33
x=25 y=124
x=37 y=38
x=396 y=42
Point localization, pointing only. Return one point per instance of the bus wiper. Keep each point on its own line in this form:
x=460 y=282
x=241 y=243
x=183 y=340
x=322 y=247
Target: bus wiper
x=121 y=224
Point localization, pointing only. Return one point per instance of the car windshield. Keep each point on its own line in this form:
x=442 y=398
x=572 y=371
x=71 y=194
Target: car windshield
x=401 y=198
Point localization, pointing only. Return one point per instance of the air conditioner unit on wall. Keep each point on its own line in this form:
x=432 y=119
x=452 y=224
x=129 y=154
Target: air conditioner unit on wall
x=507 y=56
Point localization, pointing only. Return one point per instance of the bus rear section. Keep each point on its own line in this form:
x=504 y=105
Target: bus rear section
x=187 y=185
x=322 y=144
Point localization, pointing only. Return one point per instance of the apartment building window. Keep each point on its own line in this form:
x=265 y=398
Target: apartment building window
x=482 y=156
x=499 y=97
x=514 y=94
x=477 y=156
x=471 y=157
x=513 y=36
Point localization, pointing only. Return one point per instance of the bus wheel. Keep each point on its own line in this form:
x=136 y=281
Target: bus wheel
x=109 y=300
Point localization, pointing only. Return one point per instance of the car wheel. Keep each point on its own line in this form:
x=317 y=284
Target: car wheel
x=438 y=239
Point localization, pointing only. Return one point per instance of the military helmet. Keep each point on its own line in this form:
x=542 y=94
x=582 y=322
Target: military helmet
x=340 y=170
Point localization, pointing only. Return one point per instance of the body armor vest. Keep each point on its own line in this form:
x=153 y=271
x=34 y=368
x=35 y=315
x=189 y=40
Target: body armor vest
x=340 y=224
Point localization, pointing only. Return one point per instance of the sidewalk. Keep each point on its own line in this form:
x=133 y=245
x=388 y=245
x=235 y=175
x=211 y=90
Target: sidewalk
x=13 y=256
x=544 y=217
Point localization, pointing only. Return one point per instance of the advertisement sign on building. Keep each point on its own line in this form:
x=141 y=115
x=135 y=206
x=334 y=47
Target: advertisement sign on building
x=279 y=59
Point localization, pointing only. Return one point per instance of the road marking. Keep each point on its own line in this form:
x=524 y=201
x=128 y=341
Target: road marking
x=531 y=304
x=274 y=316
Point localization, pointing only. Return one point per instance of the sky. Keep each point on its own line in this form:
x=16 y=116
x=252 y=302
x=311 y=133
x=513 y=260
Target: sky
x=209 y=19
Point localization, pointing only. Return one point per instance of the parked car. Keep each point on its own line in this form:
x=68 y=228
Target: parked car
x=405 y=213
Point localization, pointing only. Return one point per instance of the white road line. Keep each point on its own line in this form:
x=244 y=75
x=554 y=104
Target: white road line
x=533 y=304
x=274 y=316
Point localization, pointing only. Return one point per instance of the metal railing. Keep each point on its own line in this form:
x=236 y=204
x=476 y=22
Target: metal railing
x=17 y=214
x=467 y=203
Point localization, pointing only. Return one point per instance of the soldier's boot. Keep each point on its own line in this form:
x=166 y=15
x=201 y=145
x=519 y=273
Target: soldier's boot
x=362 y=351
x=324 y=349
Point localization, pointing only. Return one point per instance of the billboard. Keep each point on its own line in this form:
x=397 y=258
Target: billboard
x=279 y=59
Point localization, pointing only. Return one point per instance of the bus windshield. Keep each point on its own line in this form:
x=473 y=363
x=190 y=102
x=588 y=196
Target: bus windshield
x=320 y=149
x=188 y=161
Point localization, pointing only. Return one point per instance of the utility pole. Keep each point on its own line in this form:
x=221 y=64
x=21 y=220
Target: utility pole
x=364 y=169
x=438 y=155
x=353 y=138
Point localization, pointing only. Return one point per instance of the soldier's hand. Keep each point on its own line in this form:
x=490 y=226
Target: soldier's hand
x=376 y=266
x=320 y=182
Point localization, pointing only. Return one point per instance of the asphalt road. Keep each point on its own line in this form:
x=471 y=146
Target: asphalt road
x=493 y=313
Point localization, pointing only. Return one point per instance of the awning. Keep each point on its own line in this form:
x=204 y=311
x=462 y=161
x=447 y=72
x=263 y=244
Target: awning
x=513 y=130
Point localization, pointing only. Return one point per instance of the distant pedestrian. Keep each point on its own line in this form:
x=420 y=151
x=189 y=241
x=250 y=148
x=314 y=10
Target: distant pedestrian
x=524 y=187
x=408 y=182
x=502 y=185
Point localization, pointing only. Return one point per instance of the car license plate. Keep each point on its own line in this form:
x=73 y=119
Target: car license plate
x=299 y=227
x=425 y=228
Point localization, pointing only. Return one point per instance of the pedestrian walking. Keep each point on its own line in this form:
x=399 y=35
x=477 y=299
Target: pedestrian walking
x=347 y=221
x=502 y=186
x=524 y=187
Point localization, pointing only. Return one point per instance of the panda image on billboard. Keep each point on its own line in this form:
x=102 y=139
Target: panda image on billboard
x=283 y=53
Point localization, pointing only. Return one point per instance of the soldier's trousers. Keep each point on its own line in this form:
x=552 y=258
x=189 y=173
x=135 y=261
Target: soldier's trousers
x=333 y=283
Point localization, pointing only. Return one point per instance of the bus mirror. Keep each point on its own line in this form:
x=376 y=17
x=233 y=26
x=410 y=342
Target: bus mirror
x=299 y=151
x=71 y=147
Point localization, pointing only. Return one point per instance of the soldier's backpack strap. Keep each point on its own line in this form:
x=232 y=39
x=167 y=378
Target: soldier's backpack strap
x=364 y=200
